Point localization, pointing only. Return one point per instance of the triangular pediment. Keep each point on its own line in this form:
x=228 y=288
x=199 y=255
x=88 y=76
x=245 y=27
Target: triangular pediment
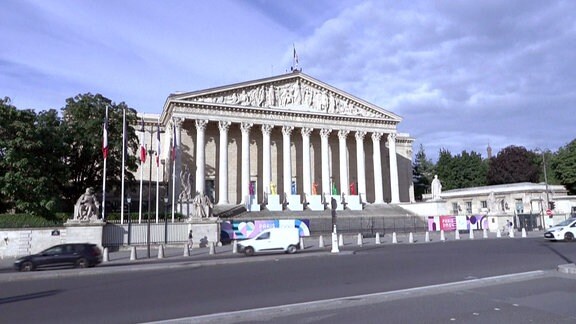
x=294 y=92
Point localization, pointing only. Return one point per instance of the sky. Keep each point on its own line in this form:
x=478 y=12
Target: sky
x=462 y=74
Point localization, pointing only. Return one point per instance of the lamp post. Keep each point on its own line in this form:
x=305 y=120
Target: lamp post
x=129 y=201
x=166 y=219
x=546 y=184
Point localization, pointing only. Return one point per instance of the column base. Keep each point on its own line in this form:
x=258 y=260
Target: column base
x=353 y=203
x=294 y=203
x=315 y=202
x=274 y=203
x=337 y=199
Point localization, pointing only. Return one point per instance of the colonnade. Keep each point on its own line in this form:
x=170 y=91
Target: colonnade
x=305 y=132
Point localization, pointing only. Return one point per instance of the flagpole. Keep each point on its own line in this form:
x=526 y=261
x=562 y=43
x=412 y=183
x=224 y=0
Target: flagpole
x=173 y=155
x=141 y=173
x=105 y=148
x=123 y=163
x=157 y=170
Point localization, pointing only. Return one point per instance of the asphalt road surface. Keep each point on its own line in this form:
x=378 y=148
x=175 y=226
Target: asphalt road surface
x=474 y=281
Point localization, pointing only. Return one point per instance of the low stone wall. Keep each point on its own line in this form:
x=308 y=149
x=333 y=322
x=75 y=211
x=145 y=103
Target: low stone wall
x=20 y=242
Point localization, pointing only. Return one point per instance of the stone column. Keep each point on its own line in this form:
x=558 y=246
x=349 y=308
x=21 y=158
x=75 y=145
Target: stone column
x=177 y=164
x=306 y=169
x=245 y=190
x=361 y=165
x=223 y=164
x=324 y=135
x=200 y=156
x=287 y=159
x=395 y=193
x=266 y=164
x=378 y=190
x=344 y=189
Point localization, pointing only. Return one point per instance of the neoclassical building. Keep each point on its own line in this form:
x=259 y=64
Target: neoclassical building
x=289 y=136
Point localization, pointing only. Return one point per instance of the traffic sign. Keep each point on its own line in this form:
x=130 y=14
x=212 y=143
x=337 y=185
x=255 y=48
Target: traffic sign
x=549 y=212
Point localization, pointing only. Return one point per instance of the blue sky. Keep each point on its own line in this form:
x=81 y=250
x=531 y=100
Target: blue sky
x=462 y=74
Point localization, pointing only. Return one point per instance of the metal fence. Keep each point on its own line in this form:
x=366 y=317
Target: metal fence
x=137 y=234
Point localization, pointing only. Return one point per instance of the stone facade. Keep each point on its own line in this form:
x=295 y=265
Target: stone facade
x=290 y=131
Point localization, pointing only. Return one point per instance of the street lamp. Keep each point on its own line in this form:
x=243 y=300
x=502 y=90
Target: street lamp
x=166 y=219
x=546 y=183
x=129 y=201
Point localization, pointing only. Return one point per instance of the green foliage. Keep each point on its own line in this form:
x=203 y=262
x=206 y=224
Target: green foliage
x=514 y=164
x=32 y=146
x=564 y=166
x=464 y=170
x=83 y=119
x=423 y=173
x=26 y=220
x=47 y=161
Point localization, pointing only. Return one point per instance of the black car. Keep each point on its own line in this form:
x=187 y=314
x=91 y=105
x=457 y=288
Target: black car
x=79 y=255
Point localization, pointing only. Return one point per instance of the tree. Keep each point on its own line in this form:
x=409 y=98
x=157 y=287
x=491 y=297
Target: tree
x=83 y=119
x=513 y=164
x=464 y=170
x=31 y=149
x=422 y=173
x=564 y=166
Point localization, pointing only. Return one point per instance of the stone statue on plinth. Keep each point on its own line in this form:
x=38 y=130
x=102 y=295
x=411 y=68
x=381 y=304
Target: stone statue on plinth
x=87 y=206
x=436 y=188
x=202 y=206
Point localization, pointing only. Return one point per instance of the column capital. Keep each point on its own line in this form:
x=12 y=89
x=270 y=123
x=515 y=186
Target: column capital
x=245 y=127
x=360 y=135
x=224 y=125
x=325 y=132
x=376 y=137
x=287 y=130
x=176 y=121
x=305 y=131
x=267 y=129
x=342 y=134
x=392 y=137
x=201 y=124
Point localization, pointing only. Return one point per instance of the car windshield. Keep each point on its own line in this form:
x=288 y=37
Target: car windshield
x=566 y=222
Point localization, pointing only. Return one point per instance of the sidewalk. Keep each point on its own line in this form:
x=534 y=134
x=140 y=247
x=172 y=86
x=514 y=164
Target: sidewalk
x=175 y=252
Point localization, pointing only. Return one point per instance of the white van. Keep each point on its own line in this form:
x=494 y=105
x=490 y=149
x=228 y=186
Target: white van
x=270 y=240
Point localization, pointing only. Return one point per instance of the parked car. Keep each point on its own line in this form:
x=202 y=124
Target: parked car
x=79 y=255
x=271 y=240
x=565 y=230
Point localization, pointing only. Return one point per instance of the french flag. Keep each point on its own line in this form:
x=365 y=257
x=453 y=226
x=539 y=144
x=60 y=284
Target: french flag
x=142 y=146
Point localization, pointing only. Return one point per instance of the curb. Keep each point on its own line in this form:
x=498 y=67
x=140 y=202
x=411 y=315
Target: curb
x=567 y=268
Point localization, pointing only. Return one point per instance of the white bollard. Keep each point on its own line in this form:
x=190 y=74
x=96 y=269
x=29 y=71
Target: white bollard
x=457 y=235
x=302 y=246
x=410 y=238
x=341 y=240
x=523 y=232
x=378 y=238
x=511 y=233
x=485 y=233
x=360 y=239
x=427 y=237
x=394 y=239
x=186 y=250
x=132 y=253
x=105 y=256
x=498 y=233
x=234 y=247
x=471 y=235
x=335 y=248
x=161 y=251
x=321 y=242
x=212 y=248
x=442 y=236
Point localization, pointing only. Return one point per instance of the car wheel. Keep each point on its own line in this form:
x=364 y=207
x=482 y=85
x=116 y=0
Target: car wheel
x=249 y=251
x=568 y=236
x=27 y=266
x=81 y=263
x=291 y=249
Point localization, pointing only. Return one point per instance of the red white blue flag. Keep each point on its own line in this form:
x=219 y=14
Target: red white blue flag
x=142 y=145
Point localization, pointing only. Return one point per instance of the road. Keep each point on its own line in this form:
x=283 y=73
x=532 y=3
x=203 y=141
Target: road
x=436 y=282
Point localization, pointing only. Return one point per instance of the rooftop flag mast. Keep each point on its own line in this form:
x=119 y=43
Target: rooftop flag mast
x=295 y=63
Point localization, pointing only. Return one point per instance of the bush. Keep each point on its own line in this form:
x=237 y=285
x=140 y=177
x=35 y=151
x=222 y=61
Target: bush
x=26 y=220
